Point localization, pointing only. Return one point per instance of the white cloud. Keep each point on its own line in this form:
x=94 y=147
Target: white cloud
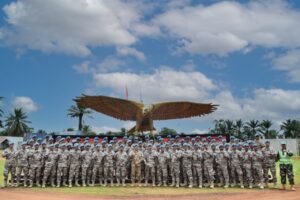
x=83 y=68
x=104 y=129
x=125 y=51
x=72 y=27
x=26 y=103
x=198 y=131
x=129 y=124
x=109 y=64
x=228 y=26
x=162 y=84
x=289 y=62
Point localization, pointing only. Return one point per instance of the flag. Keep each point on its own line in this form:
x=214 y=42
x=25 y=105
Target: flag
x=126 y=92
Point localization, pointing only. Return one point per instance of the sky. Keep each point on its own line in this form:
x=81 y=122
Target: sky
x=242 y=55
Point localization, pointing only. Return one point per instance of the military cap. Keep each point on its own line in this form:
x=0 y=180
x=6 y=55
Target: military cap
x=283 y=143
x=267 y=142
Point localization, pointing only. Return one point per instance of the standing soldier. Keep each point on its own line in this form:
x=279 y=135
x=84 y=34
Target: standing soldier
x=175 y=157
x=197 y=164
x=222 y=158
x=150 y=157
x=74 y=158
x=121 y=158
x=136 y=157
x=247 y=165
x=187 y=156
x=22 y=164
x=35 y=165
x=62 y=166
x=286 y=166
x=10 y=164
x=235 y=164
x=257 y=158
x=50 y=159
x=98 y=164
x=86 y=157
x=109 y=165
x=162 y=171
x=269 y=163
x=208 y=159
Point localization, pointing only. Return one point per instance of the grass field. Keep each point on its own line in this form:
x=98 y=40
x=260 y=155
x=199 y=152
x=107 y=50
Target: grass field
x=129 y=191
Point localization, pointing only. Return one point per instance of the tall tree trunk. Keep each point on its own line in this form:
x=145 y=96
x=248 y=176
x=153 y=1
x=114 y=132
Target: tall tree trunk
x=80 y=122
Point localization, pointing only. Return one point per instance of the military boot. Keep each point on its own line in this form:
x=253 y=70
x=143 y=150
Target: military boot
x=83 y=183
x=30 y=183
x=146 y=183
x=76 y=183
x=52 y=183
x=165 y=184
x=105 y=182
x=111 y=182
x=123 y=182
x=118 y=182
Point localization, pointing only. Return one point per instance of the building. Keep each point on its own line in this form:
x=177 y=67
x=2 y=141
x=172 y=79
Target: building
x=5 y=140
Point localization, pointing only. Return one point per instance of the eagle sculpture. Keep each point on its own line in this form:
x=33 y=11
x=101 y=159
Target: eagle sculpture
x=144 y=115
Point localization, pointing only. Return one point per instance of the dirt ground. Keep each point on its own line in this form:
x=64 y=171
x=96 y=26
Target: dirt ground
x=23 y=194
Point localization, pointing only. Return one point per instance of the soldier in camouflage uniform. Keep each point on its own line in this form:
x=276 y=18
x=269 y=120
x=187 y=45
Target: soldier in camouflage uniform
x=269 y=163
x=187 y=156
x=86 y=157
x=98 y=156
x=257 y=158
x=50 y=159
x=22 y=164
x=150 y=157
x=247 y=165
x=10 y=163
x=121 y=158
x=136 y=157
x=222 y=158
x=74 y=158
x=197 y=165
x=208 y=159
x=175 y=157
x=35 y=166
x=62 y=166
x=162 y=171
x=235 y=164
x=109 y=165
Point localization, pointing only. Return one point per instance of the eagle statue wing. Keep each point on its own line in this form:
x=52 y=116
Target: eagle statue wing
x=177 y=110
x=118 y=108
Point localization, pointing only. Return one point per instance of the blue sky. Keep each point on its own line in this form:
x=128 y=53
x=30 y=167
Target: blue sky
x=242 y=55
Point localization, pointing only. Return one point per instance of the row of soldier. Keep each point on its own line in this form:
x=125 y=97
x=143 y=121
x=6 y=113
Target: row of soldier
x=191 y=162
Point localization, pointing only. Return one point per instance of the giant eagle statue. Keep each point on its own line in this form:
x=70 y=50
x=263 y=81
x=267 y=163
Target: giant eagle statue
x=144 y=115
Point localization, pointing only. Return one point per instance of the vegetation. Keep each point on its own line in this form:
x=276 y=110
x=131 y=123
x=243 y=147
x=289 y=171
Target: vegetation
x=77 y=111
x=16 y=123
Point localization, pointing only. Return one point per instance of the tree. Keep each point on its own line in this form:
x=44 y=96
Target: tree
x=78 y=111
x=223 y=126
x=42 y=131
x=265 y=125
x=1 y=113
x=291 y=128
x=251 y=128
x=238 y=127
x=16 y=123
x=86 y=130
x=167 y=131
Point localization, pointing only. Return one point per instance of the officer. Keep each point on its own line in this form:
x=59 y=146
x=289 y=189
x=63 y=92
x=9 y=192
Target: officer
x=10 y=164
x=50 y=159
x=150 y=157
x=35 y=166
x=269 y=163
x=22 y=164
x=74 y=159
x=222 y=159
x=136 y=157
x=121 y=158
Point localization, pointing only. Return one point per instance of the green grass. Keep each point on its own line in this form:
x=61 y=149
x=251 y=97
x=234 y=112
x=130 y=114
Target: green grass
x=130 y=191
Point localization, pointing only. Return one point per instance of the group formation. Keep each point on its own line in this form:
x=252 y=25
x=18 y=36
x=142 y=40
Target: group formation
x=174 y=162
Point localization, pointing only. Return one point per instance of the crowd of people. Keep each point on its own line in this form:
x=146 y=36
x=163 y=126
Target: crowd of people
x=172 y=161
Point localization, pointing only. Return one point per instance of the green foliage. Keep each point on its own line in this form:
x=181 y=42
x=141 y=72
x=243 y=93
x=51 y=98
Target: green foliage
x=167 y=131
x=16 y=123
x=77 y=111
x=291 y=128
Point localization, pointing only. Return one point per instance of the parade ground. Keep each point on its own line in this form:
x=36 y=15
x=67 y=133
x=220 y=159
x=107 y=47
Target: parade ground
x=147 y=193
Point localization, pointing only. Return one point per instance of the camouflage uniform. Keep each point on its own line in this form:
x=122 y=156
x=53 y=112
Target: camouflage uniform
x=269 y=163
x=10 y=164
x=187 y=156
x=50 y=159
x=235 y=163
x=121 y=163
x=162 y=171
x=247 y=166
x=35 y=167
x=74 y=157
x=175 y=157
x=222 y=158
x=109 y=166
x=62 y=167
x=136 y=160
x=22 y=165
x=150 y=157
x=86 y=157
x=98 y=166
x=208 y=159
x=257 y=158
x=197 y=166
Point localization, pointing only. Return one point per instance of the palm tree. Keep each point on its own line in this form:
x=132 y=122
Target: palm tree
x=238 y=126
x=78 y=111
x=251 y=128
x=291 y=128
x=229 y=126
x=86 y=130
x=1 y=113
x=16 y=123
x=265 y=126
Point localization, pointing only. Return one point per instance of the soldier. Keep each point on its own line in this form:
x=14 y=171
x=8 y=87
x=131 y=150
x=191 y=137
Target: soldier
x=175 y=157
x=222 y=158
x=62 y=166
x=74 y=158
x=235 y=164
x=109 y=165
x=187 y=156
x=10 y=164
x=50 y=159
x=286 y=166
x=247 y=165
x=86 y=157
x=269 y=163
x=136 y=157
x=208 y=159
x=121 y=158
x=162 y=172
x=197 y=165
x=150 y=157
x=98 y=164
x=35 y=165
x=22 y=164
x=257 y=158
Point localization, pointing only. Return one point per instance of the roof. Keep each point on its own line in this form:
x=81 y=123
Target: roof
x=2 y=139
